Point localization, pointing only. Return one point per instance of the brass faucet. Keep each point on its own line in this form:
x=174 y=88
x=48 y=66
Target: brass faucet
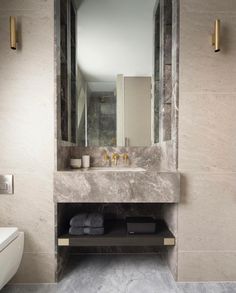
x=106 y=158
x=126 y=158
x=115 y=158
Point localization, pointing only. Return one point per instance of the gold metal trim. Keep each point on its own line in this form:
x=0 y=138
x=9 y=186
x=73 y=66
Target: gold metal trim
x=216 y=36
x=169 y=241
x=13 y=37
x=63 y=242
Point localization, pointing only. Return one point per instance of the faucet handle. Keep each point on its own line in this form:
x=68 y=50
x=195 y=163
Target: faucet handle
x=125 y=158
x=115 y=158
x=106 y=157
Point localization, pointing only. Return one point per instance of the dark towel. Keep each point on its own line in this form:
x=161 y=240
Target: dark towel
x=78 y=220
x=86 y=231
x=93 y=231
x=94 y=220
x=76 y=231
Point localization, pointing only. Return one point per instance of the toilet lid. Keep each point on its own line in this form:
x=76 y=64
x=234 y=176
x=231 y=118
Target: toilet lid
x=7 y=234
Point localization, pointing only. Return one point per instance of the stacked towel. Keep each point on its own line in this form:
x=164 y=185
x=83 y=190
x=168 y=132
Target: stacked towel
x=93 y=220
x=87 y=224
x=86 y=231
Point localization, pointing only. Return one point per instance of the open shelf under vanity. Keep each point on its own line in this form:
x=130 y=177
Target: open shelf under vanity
x=116 y=235
x=115 y=227
x=116 y=239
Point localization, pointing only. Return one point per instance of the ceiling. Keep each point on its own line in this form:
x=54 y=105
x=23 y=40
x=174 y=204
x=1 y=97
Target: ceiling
x=115 y=37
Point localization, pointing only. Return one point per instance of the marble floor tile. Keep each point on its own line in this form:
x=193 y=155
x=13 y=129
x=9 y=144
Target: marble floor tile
x=39 y=288
x=120 y=274
x=207 y=287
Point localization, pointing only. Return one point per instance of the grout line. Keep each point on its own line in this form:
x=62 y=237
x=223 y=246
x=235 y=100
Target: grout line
x=27 y=252
x=207 y=251
x=206 y=172
x=29 y=284
x=206 y=282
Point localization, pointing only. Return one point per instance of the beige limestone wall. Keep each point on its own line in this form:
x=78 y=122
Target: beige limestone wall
x=207 y=149
x=27 y=132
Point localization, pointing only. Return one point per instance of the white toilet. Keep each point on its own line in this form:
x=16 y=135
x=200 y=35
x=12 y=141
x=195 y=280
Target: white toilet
x=11 y=251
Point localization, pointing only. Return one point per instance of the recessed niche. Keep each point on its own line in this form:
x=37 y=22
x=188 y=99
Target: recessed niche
x=115 y=226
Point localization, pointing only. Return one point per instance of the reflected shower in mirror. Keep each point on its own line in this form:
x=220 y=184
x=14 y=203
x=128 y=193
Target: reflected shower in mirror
x=115 y=75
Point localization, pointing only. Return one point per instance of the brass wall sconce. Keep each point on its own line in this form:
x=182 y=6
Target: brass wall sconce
x=216 y=36
x=13 y=33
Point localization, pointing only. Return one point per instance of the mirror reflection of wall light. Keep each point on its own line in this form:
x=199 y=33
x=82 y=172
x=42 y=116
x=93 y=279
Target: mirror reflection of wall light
x=13 y=33
x=216 y=36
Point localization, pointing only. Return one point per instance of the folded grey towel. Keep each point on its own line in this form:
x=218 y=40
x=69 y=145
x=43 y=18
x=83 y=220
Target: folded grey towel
x=94 y=220
x=93 y=231
x=86 y=231
x=78 y=220
x=76 y=231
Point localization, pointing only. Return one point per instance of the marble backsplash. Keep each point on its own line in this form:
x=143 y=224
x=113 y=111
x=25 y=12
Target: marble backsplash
x=160 y=157
x=145 y=157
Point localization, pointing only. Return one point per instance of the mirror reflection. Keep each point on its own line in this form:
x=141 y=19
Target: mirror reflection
x=115 y=41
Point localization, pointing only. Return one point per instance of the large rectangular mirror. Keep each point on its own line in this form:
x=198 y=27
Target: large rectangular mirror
x=115 y=46
x=118 y=73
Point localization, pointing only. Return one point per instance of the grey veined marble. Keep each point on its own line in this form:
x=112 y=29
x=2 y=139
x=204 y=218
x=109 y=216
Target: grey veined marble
x=147 y=186
x=120 y=274
x=145 y=157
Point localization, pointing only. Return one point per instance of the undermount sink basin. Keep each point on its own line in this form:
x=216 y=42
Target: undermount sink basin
x=115 y=169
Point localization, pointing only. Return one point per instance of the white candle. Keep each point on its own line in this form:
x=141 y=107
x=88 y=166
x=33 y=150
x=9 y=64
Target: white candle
x=86 y=161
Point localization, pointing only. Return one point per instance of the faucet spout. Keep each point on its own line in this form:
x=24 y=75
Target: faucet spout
x=115 y=158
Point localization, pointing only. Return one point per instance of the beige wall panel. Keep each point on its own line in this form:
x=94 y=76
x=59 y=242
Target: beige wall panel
x=207 y=212
x=202 y=70
x=36 y=268
x=31 y=209
x=207 y=136
x=207 y=132
x=203 y=266
x=27 y=132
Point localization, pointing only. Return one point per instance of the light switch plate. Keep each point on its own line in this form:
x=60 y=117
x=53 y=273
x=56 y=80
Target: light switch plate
x=6 y=184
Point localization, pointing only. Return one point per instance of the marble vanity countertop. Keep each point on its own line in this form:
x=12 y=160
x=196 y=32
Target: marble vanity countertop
x=93 y=186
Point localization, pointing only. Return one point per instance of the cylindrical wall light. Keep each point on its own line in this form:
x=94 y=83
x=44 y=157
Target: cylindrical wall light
x=13 y=35
x=216 y=36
